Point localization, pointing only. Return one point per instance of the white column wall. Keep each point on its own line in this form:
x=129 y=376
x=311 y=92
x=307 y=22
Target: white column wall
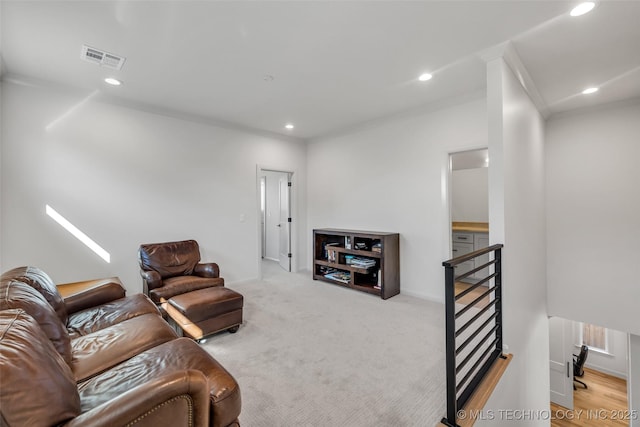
x=126 y=177
x=516 y=194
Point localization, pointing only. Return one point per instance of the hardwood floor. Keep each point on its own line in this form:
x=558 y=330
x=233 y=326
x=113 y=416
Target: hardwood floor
x=604 y=403
x=471 y=295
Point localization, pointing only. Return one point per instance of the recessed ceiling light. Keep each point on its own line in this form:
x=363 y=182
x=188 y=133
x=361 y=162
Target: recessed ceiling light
x=424 y=77
x=583 y=8
x=289 y=126
x=113 y=82
x=590 y=90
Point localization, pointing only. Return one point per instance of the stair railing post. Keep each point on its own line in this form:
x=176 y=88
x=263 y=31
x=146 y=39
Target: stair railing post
x=498 y=296
x=450 y=334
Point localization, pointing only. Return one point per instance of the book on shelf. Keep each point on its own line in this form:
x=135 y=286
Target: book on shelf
x=361 y=246
x=330 y=253
x=363 y=262
x=339 y=276
x=326 y=270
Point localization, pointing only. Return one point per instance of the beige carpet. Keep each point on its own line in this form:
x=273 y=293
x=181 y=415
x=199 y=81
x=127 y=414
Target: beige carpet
x=314 y=354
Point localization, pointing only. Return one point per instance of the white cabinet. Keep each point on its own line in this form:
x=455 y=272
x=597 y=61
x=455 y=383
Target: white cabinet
x=460 y=249
x=464 y=242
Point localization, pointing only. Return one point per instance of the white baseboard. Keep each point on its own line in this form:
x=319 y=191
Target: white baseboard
x=421 y=296
x=622 y=375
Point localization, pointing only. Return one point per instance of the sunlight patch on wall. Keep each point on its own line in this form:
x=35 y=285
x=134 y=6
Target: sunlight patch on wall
x=78 y=234
x=70 y=111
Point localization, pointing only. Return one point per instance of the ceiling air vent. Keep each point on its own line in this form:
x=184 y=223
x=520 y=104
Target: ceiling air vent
x=102 y=58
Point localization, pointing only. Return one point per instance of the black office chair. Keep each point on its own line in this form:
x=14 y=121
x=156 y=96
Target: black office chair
x=578 y=365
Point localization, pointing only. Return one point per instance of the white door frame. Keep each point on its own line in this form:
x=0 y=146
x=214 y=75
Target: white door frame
x=447 y=193
x=293 y=203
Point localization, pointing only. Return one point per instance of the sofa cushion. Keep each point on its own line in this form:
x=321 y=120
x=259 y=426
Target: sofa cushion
x=38 y=387
x=41 y=282
x=172 y=356
x=170 y=259
x=95 y=318
x=15 y=294
x=100 y=350
x=182 y=284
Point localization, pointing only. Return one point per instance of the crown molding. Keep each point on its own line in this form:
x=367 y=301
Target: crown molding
x=509 y=54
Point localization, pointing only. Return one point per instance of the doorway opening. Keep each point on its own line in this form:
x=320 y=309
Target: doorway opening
x=600 y=384
x=275 y=223
x=469 y=210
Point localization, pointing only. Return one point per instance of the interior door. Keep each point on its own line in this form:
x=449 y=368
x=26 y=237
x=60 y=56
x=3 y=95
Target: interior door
x=561 y=361
x=284 y=253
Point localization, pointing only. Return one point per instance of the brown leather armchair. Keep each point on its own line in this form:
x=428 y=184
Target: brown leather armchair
x=174 y=268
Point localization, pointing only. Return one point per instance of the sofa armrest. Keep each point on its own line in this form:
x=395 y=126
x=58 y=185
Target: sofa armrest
x=82 y=295
x=150 y=280
x=177 y=399
x=207 y=269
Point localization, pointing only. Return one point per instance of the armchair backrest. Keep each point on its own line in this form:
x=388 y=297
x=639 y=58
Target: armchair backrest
x=170 y=259
x=578 y=367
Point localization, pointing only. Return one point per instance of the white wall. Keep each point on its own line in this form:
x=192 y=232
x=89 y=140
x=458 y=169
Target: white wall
x=1 y=139
x=616 y=362
x=633 y=383
x=593 y=209
x=470 y=195
x=516 y=187
x=127 y=177
x=273 y=213
x=392 y=177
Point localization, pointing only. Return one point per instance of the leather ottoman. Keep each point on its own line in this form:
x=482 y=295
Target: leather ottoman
x=206 y=311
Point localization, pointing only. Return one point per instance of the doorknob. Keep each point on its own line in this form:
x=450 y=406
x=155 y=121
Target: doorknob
x=279 y=225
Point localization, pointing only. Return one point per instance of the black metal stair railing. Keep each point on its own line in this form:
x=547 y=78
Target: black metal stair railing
x=473 y=328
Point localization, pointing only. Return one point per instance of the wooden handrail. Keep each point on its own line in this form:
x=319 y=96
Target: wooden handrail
x=471 y=255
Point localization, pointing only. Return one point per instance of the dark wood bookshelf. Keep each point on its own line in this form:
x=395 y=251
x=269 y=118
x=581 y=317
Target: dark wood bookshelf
x=331 y=254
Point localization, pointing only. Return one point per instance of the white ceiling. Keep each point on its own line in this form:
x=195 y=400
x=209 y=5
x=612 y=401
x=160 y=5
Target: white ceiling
x=335 y=64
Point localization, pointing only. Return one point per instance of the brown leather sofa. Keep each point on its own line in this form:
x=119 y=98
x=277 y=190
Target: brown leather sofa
x=98 y=357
